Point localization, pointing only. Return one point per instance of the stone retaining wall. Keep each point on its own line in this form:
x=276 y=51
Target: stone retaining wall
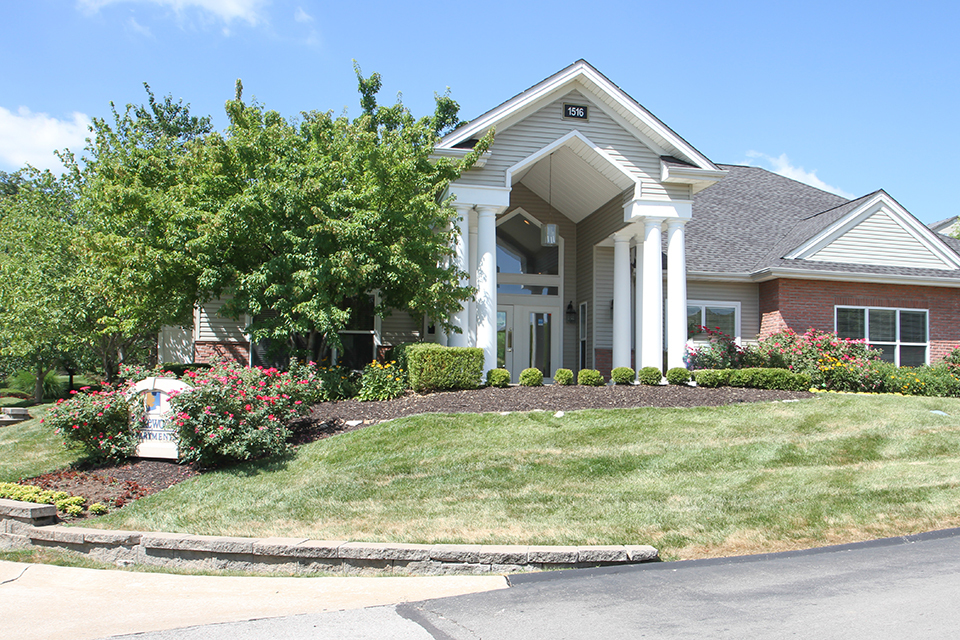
x=25 y=525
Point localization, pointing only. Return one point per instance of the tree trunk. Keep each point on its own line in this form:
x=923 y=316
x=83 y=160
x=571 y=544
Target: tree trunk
x=38 y=387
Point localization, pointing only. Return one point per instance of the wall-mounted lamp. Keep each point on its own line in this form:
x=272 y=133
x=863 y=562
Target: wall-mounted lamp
x=571 y=314
x=611 y=308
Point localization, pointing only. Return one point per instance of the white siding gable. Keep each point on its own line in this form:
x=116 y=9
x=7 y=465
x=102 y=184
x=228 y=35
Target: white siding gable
x=881 y=240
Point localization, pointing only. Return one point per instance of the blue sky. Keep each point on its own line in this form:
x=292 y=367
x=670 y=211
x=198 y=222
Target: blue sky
x=850 y=96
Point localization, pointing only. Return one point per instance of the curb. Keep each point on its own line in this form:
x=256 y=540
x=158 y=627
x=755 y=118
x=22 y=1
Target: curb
x=25 y=525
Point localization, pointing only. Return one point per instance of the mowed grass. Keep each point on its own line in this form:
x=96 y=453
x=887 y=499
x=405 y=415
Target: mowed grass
x=30 y=448
x=693 y=482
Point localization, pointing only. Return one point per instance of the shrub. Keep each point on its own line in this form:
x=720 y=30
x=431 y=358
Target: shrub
x=833 y=363
x=722 y=352
x=97 y=422
x=235 y=413
x=590 y=378
x=531 y=377
x=623 y=375
x=63 y=501
x=498 y=378
x=650 y=375
x=678 y=375
x=335 y=383
x=398 y=353
x=940 y=380
x=437 y=368
x=769 y=378
x=97 y=508
x=711 y=378
x=26 y=382
x=382 y=382
x=563 y=377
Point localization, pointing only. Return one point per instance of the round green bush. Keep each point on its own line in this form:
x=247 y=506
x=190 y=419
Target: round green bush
x=650 y=375
x=623 y=375
x=711 y=378
x=563 y=377
x=498 y=378
x=590 y=378
x=678 y=375
x=531 y=377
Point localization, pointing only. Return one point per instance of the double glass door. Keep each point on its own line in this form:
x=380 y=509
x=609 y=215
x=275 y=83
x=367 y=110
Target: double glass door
x=528 y=336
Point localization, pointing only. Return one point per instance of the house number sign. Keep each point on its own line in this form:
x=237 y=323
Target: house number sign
x=578 y=111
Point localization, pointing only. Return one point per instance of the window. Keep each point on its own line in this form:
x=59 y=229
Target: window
x=359 y=337
x=583 y=335
x=717 y=316
x=900 y=335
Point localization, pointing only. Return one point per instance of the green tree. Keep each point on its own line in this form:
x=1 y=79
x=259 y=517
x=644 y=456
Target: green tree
x=135 y=226
x=303 y=217
x=39 y=300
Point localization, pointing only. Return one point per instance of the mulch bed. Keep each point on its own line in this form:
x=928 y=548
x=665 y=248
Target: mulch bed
x=115 y=486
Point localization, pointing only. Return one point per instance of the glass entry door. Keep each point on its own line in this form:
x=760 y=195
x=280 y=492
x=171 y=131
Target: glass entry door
x=528 y=336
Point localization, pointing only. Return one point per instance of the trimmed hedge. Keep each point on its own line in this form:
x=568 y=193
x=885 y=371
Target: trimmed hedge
x=531 y=377
x=678 y=375
x=753 y=378
x=436 y=368
x=498 y=378
x=563 y=377
x=623 y=375
x=711 y=378
x=649 y=375
x=590 y=378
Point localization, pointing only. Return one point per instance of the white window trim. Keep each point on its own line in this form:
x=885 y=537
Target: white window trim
x=897 y=343
x=376 y=331
x=738 y=315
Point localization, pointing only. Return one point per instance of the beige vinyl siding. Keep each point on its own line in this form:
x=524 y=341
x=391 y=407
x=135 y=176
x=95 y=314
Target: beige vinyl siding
x=880 y=240
x=602 y=295
x=175 y=344
x=530 y=202
x=546 y=125
x=746 y=293
x=399 y=327
x=214 y=328
x=591 y=230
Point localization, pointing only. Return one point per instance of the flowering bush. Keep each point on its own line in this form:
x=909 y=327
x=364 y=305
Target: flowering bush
x=335 y=383
x=722 y=352
x=235 y=413
x=833 y=363
x=382 y=382
x=98 y=422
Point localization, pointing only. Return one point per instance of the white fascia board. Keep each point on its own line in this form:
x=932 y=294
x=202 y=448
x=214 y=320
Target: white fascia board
x=639 y=209
x=903 y=217
x=565 y=140
x=702 y=178
x=718 y=276
x=460 y=154
x=479 y=195
x=843 y=276
x=513 y=109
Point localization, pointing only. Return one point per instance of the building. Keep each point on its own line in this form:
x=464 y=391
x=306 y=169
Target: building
x=597 y=237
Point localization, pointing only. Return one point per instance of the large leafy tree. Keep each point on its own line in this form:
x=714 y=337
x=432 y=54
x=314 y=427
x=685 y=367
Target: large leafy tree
x=40 y=301
x=134 y=225
x=302 y=217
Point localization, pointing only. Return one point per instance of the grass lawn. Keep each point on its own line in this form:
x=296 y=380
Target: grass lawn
x=30 y=448
x=692 y=482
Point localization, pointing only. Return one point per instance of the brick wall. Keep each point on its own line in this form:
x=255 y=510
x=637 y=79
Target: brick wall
x=603 y=361
x=806 y=304
x=209 y=351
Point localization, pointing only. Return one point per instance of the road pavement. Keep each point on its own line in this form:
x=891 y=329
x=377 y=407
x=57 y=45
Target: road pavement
x=895 y=588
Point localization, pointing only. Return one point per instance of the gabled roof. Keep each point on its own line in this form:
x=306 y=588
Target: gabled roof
x=608 y=96
x=749 y=223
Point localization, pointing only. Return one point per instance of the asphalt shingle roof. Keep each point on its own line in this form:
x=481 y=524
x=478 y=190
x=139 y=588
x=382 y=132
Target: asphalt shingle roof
x=749 y=220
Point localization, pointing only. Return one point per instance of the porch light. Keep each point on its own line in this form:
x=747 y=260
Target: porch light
x=571 y=314
x=548 y=235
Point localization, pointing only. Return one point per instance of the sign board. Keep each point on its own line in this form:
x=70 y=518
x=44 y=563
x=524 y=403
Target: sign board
x=158 y=437
x=577 y=111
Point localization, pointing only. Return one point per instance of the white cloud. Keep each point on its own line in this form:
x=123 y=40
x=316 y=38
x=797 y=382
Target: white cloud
x=136 y=27
x=781 y=165
x=302 y=16
x=27 y=137
x=249 y=11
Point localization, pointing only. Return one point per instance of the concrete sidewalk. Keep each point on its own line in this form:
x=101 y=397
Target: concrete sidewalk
x=44 y=602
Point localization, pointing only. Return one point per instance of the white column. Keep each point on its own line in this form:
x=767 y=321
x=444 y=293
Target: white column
x=461 y=260
x=676 y=293
x=487 y=285
x=621 y=300
x=652 y=295
x=638 y=312
x=472 y=304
